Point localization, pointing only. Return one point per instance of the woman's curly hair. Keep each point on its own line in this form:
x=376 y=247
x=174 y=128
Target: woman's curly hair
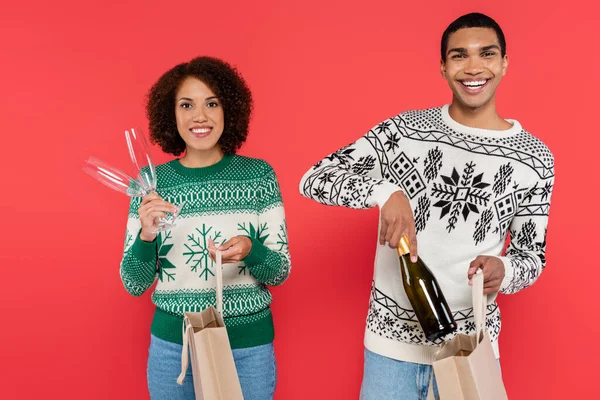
x=225 y=82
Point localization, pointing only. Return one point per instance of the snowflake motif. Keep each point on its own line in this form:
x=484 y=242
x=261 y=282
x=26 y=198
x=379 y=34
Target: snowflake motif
x=406 y=328
x=546 y=191
x=257 y=234
x=384 y=127
x=320 y=194
x=388 y=321
x=164 y=265
x=198 y=255
x=376 y=313
x=326 y=177
x=252 y=232
x=282 y=239
x=351 y=185
x=469 y=326
x=391 y=143
x=460 y=195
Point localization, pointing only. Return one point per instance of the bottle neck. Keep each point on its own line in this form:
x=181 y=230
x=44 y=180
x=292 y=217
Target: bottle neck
x=403 y=247
x=405 y=266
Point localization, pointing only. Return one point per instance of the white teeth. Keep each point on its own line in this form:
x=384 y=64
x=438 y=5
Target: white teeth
x=474 y=83
x=203 y=130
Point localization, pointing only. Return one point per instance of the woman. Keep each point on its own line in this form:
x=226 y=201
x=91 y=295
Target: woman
x=233 y=203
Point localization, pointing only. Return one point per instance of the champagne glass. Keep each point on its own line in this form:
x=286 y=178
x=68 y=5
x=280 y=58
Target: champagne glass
x=141 y=157
x=120 y=181
x=113 y=178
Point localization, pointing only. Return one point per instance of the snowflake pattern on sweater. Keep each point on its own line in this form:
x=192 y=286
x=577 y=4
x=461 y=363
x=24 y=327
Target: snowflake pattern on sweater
x=238 y=196
x=469 y=188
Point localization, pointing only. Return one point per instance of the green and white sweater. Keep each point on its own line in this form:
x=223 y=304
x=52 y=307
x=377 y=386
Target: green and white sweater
x=238 y=196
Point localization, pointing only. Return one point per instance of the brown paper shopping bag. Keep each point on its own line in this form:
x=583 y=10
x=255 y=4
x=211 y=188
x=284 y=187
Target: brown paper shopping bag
x=213 y=368
x=465 y=367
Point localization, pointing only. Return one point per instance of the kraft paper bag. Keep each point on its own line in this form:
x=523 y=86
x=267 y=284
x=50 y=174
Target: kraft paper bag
x=465 y=367
x=213 y=368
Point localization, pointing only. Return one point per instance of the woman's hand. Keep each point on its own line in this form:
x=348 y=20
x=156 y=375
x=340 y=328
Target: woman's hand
x=152 y=209
x=234 y=250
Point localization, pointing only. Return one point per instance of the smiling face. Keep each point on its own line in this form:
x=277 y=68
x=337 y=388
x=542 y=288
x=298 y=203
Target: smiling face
x=199 y=115
x=474 y=66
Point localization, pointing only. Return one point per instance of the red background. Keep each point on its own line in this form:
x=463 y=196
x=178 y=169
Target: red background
x=74 y=76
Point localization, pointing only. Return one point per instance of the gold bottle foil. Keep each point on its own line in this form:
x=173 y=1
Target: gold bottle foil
x=403 y=246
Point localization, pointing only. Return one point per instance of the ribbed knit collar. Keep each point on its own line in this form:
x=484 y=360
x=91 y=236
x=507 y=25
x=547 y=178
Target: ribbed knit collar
x=202 y=171
x=515 y=129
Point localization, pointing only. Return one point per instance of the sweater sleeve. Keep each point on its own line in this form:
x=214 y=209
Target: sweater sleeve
x=269 y=257
x=355 y=175
x=525 y=256
x=138 y=265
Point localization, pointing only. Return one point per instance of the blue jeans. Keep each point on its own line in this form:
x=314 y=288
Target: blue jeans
x=388 y=379
x=256 y=369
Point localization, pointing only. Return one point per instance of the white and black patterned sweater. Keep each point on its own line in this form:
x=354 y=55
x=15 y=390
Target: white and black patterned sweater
x=469 y=188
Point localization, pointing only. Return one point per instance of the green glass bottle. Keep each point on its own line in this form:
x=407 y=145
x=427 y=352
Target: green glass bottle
x=425 y=295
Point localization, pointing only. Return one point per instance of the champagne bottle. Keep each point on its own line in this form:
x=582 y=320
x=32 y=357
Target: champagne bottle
x=425 y=295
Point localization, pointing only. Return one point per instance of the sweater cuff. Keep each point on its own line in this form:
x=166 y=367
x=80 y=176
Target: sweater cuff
x=143 y=251
x=383 y=191
x=509 y=274
x=258 y=253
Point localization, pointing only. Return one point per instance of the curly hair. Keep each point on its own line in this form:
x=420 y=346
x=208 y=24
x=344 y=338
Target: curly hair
x=225 y=82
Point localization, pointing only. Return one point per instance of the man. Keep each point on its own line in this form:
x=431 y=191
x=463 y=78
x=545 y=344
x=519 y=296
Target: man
x=458 y=178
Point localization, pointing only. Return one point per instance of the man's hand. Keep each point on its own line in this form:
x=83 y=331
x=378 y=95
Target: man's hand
x=493 y=272
x=397 y=220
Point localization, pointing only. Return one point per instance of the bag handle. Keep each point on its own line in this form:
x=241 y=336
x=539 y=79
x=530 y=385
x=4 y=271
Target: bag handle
x=187 y=326
x=219 y=275
x=184 y=351
x=430 y=395
x=479 y=305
